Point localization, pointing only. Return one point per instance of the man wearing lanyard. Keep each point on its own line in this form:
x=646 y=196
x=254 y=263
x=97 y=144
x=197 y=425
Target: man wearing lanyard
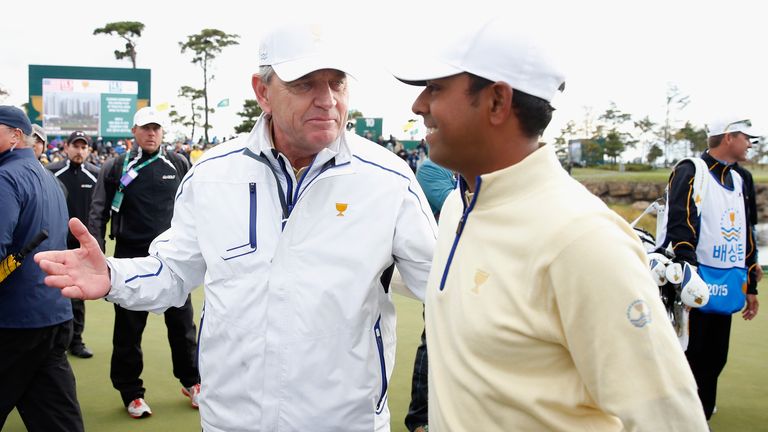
x=136 y=192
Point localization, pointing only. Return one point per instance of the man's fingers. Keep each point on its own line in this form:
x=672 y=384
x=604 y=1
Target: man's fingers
x=58 y=281
x=53 y=256
x=53 y=267
x=87 y=241
x=73 y=292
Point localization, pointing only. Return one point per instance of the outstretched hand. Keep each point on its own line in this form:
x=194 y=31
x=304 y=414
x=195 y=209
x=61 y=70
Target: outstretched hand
x=80 y=273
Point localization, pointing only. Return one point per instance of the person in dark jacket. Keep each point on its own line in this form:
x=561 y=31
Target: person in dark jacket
x=136 y=192
x=704 y=241
x=35 y=321
x=79 y=178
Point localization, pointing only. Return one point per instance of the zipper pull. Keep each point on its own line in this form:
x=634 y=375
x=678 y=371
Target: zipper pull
x=460 y=226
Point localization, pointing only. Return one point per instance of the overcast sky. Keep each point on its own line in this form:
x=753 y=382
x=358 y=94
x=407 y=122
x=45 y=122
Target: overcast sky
x=625 y=52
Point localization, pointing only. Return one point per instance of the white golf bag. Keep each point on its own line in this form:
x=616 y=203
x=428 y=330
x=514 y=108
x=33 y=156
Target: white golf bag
x=680 y=286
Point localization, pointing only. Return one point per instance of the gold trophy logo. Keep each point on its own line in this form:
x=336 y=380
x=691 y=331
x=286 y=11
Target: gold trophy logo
x=341 y=208
x=480 y=278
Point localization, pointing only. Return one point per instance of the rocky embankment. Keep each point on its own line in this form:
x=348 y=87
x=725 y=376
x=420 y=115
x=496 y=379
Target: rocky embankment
x=614 y=192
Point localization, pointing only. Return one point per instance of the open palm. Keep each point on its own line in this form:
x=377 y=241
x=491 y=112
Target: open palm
x=80 y=273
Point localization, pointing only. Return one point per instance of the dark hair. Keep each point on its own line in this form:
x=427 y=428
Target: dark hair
x=715 y=141
x=534 y=113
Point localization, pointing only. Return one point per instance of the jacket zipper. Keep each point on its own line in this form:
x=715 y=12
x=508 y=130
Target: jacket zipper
x=459 y=230
x=252 y=227
x=380 y=345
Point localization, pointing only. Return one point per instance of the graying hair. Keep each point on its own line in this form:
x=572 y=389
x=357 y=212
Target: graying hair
x=266 y=73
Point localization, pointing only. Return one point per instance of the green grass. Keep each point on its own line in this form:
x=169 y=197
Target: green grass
x=659 y=175
x=741 y=400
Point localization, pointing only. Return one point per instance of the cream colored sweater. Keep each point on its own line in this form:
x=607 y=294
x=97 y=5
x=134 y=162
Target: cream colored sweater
x=546 y=317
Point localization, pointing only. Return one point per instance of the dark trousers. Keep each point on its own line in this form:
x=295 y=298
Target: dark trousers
x=78 y=323
x=417 y=410
x=707 y=353
x=35 y=377
x=127 y=359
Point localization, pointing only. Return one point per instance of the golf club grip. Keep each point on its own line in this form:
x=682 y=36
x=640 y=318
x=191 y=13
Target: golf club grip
x=39 y=238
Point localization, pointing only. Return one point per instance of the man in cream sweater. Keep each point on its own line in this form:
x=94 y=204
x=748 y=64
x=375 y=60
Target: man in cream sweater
x=540 y=310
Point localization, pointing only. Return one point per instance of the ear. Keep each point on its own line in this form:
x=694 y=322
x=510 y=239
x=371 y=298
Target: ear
x=500 y=102
x=261 y=90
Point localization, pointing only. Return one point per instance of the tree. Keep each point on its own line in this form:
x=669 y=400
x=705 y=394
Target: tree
x=205 y=46
x=251 y=111
x=193 y=95
x=611 y=128
x=654 y=153
x=646 y=128
x=3 y=94
x=695 y=137
x=675 y=101
x=128 y=30
x=561 y=142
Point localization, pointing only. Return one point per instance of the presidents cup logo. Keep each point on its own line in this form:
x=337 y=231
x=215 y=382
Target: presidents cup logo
x=728 y=227
x=639 y=314
x=730 y=249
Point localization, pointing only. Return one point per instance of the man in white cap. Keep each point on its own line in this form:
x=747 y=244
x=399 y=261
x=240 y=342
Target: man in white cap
x=540 y=310
x=293 y=229
x=711 y=229
x=136 y=192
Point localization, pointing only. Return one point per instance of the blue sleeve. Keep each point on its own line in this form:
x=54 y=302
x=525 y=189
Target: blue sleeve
x=437 y=182
x=9 y=214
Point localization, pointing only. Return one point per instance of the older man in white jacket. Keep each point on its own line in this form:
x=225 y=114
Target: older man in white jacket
x=292 y=230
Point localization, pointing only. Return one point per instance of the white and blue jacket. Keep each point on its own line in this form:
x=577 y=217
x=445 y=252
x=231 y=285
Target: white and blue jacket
x=298 y=331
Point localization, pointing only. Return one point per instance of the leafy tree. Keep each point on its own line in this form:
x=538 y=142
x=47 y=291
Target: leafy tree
x=695 y=137
x=205 y=46
x=561 y=142
x=192 y=95
x=654 y=153
x=128 y=30
x=647 y=129
x=611 y=128
x=251 y=111
x=3 y=93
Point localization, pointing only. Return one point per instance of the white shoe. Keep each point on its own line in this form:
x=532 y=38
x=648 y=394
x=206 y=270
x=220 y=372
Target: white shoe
x=193 y=393
x=138 y=408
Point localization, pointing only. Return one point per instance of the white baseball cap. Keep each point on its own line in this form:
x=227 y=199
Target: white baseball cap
x=149 y=115
x=299 y=48
x=498 y=51
x=731 y=124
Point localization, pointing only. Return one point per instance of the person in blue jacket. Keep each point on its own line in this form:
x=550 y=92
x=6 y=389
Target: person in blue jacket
x=35 y=321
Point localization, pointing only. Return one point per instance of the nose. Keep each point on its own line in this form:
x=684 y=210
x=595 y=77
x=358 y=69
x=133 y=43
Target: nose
x=420 y=105
x=325 y=97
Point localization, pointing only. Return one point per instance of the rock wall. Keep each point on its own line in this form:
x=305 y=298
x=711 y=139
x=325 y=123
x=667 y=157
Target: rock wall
x=631 y=192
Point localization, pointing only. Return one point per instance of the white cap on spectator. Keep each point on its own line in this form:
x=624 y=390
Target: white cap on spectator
x=149 y=115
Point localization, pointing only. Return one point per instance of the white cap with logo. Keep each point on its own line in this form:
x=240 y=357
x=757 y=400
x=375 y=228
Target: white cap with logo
x=731 y=124
x=149 y=115
x=497 y=51
x=297 y=49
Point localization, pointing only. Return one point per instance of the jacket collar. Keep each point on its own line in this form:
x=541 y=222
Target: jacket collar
x=516 y=181
x=19 y=153
x=720 y=170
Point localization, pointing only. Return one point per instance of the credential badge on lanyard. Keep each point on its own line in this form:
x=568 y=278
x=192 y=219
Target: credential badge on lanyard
x=128 y=176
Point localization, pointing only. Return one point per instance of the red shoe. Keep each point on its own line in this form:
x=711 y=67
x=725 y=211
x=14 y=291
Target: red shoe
x=138 y=408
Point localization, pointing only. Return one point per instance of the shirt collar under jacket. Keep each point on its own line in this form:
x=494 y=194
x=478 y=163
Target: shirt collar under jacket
x=260 y=142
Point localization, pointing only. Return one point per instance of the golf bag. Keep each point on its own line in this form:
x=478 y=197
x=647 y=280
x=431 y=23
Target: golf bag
x=680 y=286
